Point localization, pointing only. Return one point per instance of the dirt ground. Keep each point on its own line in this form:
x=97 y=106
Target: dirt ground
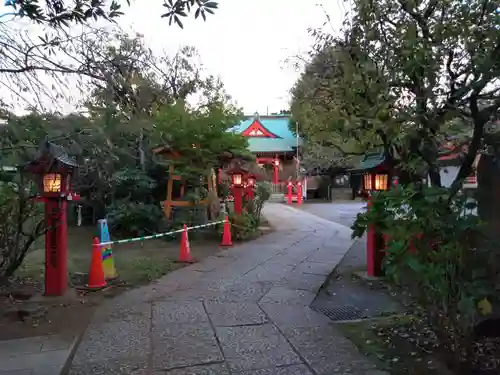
x=25 y=313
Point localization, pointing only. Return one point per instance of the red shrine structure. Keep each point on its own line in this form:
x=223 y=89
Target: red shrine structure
x=274 y=146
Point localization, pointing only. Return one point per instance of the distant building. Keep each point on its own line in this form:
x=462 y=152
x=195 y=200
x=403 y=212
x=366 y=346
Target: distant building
x=274 y=145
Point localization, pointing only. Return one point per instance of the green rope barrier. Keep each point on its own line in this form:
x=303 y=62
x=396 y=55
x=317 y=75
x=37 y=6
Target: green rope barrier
x=159 y=235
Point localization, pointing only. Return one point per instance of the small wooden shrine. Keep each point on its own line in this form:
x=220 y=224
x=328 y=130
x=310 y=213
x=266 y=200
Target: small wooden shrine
x=177 y=186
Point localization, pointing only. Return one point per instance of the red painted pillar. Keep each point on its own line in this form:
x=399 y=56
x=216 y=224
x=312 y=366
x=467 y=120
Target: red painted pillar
x=370 y=246
x=56 y=266
x=299 y=193
x=276 y=167
x=250 y=193
x=238 y=200
x=375 y=245
x=289 y=192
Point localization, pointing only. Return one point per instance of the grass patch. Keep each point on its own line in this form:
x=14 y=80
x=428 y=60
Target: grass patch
x=397 y=343
x=142 y=270
x=136 y=263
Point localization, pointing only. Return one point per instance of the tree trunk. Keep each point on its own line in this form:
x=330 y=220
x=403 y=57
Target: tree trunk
x=488 y=197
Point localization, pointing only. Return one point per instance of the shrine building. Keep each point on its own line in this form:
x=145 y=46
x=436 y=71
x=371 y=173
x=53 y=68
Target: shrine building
x=274 y=145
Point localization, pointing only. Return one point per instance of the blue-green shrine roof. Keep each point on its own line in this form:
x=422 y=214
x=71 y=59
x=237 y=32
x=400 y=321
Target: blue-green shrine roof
x=284 y=140
x=370 y=161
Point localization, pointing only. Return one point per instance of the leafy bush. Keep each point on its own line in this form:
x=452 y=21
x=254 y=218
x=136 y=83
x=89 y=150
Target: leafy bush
x=133 y=212
x=242 y=226
x=133 y=184
x=134 y=218
x=245 y=226
x=22 y=223
x=432 y=252
x=263 y=192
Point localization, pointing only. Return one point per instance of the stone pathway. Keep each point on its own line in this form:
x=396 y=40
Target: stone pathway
x=245 y=312
x=34 y=355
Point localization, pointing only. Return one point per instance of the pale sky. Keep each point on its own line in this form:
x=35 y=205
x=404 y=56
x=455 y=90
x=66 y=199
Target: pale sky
x=246 y=42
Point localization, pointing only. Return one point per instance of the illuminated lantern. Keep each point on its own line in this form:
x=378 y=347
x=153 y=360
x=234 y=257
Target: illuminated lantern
x=375 y=181
x=237 y=179
x=250 y=186
x=52 y=183
x=52 y=170
x=237 y=174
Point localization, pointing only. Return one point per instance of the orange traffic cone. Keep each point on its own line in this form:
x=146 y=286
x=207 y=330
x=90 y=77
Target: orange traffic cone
x=226 y=234
x=185 y=251
x=96 y=274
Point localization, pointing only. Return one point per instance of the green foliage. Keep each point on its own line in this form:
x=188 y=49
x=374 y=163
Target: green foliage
x=132 y=184
x=129 y=218
x=334 y=119
x=242 y=226
x=133 y=211
x=245 y=226
x=21 y=224
x=58 y=13
x=199 y=136
x=401 y=78
x=433 y=252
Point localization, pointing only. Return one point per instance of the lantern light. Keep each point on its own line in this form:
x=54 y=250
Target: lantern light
x=381 y=182
x=52 y=183
x=375 y=181
x=251 y=181
x=237 y=179
x=276 y=162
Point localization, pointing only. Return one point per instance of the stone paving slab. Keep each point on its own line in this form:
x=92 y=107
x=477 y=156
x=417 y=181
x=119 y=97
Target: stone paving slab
x=127 y=366
x=303 y=281
x=244 y=313
x=315 y=268
x=298 y=316
x=285 y=370
x=177 y=345
x=216 y=369
x=287 y=296
x=255 y=347
x=34 y=355
x=326 y=351
x=226 y=314
x=178 y=312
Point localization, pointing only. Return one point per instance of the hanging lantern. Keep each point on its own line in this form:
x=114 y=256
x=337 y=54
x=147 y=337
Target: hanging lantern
x=251 y=181
x=381 y=182
x=237 y=179
x=376 y=181
x=367 y=182
x=52 y=183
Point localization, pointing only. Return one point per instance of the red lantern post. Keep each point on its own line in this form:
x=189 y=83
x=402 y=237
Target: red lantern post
x=289 y=192
x=250 y=186
x=53 y=169
x=276 y=166
x=374 y=241
x=237 y=175
x=299 y=193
